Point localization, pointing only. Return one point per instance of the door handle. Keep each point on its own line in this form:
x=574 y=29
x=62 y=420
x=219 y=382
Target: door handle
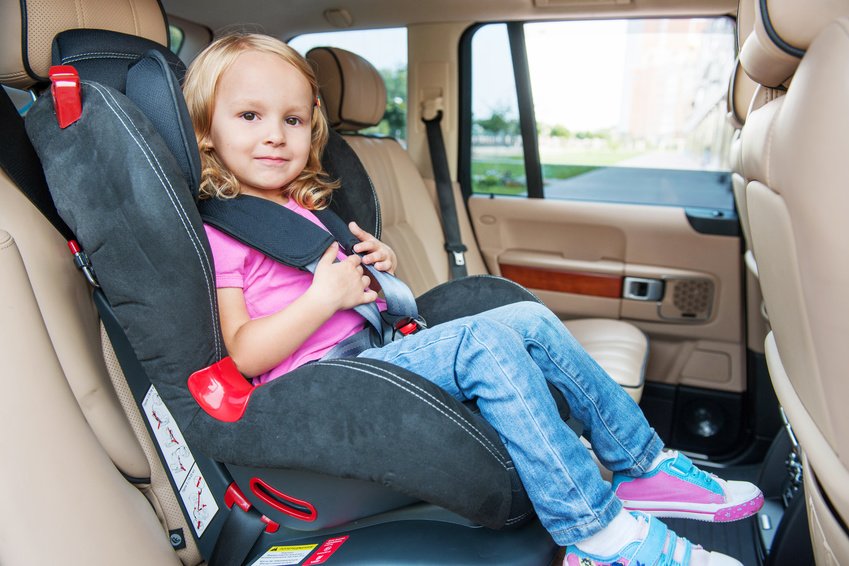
x=642 y=289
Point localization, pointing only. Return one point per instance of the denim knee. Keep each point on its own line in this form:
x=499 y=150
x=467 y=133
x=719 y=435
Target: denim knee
x=535 y=317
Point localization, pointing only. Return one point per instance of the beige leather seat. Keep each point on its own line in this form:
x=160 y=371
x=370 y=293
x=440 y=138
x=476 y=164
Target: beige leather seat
x=79 y=484
x=795 y=159
x=354 y=97
x=744 y=95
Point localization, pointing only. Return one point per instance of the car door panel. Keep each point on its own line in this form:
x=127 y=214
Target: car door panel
x=571 y=253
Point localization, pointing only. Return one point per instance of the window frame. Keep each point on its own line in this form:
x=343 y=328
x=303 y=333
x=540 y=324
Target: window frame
x=527 y=114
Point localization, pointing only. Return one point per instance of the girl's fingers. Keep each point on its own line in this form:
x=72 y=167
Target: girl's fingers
x=364 y=247
x=359 y=232
x=329 y=254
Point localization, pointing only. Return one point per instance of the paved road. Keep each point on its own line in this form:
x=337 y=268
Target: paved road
x=638 y=185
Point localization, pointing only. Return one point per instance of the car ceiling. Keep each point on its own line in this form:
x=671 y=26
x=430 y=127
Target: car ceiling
x=288 y=18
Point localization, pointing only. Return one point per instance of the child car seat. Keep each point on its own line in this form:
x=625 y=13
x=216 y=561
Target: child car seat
x=328 y=419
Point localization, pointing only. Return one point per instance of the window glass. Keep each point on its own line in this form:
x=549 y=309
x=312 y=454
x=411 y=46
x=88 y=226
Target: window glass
x=176 y=38
x=386 y=49
x=498 y=165
x=625 y=110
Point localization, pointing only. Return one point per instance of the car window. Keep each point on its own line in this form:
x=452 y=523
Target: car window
x=623 y=110
x=386 y=49
x=497 y=162
x=176 y=36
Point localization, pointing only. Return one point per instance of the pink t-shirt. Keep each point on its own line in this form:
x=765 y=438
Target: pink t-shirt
x=269 y=286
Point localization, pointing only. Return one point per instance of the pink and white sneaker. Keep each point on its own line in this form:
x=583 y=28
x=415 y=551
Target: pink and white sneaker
x=677 y=488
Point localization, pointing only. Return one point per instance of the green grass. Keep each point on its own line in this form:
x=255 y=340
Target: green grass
x=504 y=174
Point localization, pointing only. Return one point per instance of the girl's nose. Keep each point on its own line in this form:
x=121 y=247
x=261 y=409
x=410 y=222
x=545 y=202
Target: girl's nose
x=275 y=135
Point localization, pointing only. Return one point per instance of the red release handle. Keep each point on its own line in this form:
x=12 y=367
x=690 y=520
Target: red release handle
x=66 y=94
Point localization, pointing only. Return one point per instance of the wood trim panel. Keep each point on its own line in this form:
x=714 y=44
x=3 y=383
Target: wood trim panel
x=609 y=286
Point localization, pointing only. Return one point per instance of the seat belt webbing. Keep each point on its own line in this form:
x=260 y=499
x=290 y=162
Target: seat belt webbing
x=445 y=193
x=238 y=535
x=21 y=164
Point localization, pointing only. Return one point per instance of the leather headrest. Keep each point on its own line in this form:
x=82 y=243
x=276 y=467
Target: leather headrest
x=352 y=91
x=783 y=31
x=745 y=21
x=27 y=30
x=741 y=90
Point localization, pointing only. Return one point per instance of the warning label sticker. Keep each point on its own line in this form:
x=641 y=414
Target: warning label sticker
x=197 y=499
x=326 y=550
x=284 y=555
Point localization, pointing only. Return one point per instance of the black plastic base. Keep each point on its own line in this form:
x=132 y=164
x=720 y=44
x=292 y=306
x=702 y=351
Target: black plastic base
x=436 y=540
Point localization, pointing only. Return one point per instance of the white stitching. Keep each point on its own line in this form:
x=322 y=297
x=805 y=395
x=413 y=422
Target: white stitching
x=425 y=392
x=516 y=519
x=167 y=186
x=414 y=394
x=99 y=54
x=184 y=218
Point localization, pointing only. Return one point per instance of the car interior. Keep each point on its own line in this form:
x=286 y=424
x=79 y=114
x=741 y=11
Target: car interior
x=660 y=174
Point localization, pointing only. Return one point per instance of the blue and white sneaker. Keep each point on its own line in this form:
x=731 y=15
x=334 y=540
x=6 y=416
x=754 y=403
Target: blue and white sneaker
x=657 y=546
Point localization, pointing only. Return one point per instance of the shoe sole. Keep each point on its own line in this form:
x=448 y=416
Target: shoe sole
x=705 y=513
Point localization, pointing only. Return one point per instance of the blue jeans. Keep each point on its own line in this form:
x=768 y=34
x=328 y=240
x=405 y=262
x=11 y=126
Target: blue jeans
x=502 y=359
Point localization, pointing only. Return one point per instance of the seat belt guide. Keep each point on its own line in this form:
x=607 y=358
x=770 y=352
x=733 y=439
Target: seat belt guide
x=67 y=101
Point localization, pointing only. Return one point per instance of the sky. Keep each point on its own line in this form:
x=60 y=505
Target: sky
x=593 y=52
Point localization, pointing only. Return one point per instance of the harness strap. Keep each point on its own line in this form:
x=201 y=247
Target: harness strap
x=354 y=344
x=400 y=302
x=293 y=240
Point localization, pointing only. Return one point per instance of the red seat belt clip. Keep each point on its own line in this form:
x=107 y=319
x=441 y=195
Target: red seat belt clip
x=408 y=326
x=66 y=94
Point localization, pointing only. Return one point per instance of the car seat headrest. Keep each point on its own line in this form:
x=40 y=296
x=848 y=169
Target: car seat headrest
x=783 y=31
x=104 y=56
x=745 y=21
x=741 y=91
x=353 y=94
x=28 y=29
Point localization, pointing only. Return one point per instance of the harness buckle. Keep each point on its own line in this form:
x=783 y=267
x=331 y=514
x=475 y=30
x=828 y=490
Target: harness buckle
x=66 y=94
x=408 y=325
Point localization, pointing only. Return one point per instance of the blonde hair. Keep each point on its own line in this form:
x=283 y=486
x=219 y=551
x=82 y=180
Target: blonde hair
x=313 y=187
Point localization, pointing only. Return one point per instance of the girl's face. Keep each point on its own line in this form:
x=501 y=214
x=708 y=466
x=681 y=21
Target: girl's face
x=261 y=123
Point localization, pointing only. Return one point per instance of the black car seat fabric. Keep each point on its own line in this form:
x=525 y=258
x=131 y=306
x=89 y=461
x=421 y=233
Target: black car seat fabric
x=135 y=215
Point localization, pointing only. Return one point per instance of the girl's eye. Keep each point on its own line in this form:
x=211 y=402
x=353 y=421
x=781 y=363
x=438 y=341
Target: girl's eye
x=249 y=116
x=293 y=121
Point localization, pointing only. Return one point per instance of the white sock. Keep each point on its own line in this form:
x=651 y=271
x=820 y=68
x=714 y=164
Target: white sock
x=661 y=456
x=622 y=530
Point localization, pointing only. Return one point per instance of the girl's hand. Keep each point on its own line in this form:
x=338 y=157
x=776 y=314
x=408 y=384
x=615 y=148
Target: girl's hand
x=378 y=255
x=342 y=284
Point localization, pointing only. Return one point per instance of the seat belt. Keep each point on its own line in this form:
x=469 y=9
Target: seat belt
x=240 y=532
x=291 y=239
x=444 y=190
x=21 y=164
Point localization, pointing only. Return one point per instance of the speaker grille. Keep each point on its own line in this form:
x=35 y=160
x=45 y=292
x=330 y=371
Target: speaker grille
x=692 y=296
x=690 y=299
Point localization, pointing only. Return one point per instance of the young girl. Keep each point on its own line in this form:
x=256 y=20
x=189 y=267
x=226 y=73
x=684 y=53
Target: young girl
x=254 y=104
